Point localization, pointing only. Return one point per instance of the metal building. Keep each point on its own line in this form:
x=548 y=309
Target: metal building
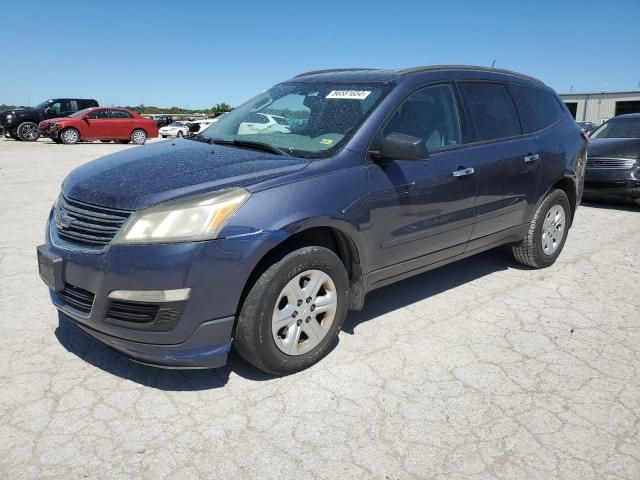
x=598 y=107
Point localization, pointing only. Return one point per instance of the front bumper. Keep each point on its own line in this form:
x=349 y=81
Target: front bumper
x=195 y=334
x=612 y=183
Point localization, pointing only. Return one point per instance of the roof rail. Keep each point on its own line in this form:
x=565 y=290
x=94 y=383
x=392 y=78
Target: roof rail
x=476 y=68
x=332 y=70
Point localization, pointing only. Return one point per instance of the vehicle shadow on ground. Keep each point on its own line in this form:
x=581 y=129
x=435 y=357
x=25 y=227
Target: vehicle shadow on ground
x=612 y=204
x=377 y=303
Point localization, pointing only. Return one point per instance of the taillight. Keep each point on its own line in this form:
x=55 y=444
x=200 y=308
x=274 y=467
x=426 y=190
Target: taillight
x=585 y=136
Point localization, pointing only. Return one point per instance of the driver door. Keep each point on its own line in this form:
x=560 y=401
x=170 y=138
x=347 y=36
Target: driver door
x=97 y=124
x=422 y=211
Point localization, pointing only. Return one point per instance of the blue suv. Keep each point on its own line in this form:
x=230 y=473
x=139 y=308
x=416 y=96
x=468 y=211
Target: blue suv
x=267 y=227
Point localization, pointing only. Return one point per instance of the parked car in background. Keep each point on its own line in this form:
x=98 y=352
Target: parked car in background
x=613 y=165
x=587 y=127
x=100 y=123
x=267 y=237
x=263 y=123
x=176 y=129
x=198 y=126
x=22 y=123
x=163 y=120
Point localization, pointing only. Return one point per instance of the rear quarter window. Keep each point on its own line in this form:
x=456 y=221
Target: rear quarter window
x=493 y=111
x=538 y=109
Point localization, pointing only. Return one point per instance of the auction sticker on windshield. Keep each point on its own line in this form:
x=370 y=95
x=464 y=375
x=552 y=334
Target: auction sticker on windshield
x=349 y=94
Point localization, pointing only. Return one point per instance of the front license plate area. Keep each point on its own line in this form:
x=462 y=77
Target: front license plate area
x=50 y=268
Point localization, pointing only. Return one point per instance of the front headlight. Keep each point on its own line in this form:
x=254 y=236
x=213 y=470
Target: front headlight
x=9 y=117
x=189 y=220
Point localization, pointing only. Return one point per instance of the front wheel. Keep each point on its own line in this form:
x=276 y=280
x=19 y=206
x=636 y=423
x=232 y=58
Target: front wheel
x=28 y=131
x=69 y=136
x=293 y=313
x=138 y=136
x=180 y=135
x=547 y=232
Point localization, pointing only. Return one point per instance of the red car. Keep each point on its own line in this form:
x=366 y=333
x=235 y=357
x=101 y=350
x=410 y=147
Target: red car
x=100 y=123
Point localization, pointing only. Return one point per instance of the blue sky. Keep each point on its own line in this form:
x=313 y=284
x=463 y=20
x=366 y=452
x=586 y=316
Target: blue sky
x=196 y=54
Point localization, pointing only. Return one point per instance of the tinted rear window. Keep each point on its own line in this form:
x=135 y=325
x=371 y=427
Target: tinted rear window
x=537 y=109
x=494 y=113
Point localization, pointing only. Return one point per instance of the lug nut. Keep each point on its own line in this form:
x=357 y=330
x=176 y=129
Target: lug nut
x=313 y=307
x=294 y=314
x=299 y=322
x=309 y=300
x=308 y=319
x=299 y=302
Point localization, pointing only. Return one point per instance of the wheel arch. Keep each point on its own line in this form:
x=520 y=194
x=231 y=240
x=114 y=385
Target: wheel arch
x=328 y=236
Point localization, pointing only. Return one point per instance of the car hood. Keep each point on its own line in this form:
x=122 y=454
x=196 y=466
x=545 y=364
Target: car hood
x=143 y=176
x=54 y=120
x=19 y=110
x=614 y=147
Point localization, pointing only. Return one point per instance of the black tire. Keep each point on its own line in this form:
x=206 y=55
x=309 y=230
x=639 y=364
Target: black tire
x=15 y=137
x=180 y=135
x=253 y=338
x=124 y=142
x=138 y=136
x=57 y=140
x=163 y=136
x=69 y=136
x=105 y=141
x=28 y=131
x=530 y=251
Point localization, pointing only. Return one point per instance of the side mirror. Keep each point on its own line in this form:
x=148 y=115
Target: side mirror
x=50 y=110
x=398 y=146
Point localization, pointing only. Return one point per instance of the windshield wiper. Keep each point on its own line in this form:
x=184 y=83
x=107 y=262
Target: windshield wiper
x=199 y=138
x=265 y=147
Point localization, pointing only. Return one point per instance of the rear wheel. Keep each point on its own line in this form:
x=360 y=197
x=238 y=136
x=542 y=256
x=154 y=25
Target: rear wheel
x=28 y=131
x=69 y=136
x=138 y=136
x=547 y=232
x=180 y=135
x=293 y=313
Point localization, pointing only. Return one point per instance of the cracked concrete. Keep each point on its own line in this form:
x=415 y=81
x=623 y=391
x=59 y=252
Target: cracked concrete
x=478 y=370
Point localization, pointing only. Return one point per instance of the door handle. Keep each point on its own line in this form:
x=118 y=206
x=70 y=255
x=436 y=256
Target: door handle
x=461 y=172
x=532 y=157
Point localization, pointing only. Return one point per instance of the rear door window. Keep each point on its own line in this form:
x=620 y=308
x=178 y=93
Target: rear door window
x=120 y=114
x=99 y=114
x=493 y=111
x=538 y=109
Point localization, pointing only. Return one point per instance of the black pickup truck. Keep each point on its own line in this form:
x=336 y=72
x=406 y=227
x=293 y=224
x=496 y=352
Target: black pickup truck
x=22 y=123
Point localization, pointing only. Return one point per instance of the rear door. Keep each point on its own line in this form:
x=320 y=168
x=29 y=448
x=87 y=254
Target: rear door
x=121 y=124
x=97 y=124
x=508 y=162
x=420 y=211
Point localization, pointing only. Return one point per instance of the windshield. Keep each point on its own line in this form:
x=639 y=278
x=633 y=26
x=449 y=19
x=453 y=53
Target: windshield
x=177 y=124
x=620 y=128
x=308 y=119
x=79 y=113
x=43 y=105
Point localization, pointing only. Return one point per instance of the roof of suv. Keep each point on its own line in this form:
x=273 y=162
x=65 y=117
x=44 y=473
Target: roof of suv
x=370 y=74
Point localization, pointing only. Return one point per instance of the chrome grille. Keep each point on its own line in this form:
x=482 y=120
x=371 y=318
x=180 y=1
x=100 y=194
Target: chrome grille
x=86 y=224
x=610 y=163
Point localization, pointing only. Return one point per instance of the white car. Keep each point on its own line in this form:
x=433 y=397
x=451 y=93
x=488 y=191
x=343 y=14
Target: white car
x=264 y=123
x=176 y=129
x=199 y=125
